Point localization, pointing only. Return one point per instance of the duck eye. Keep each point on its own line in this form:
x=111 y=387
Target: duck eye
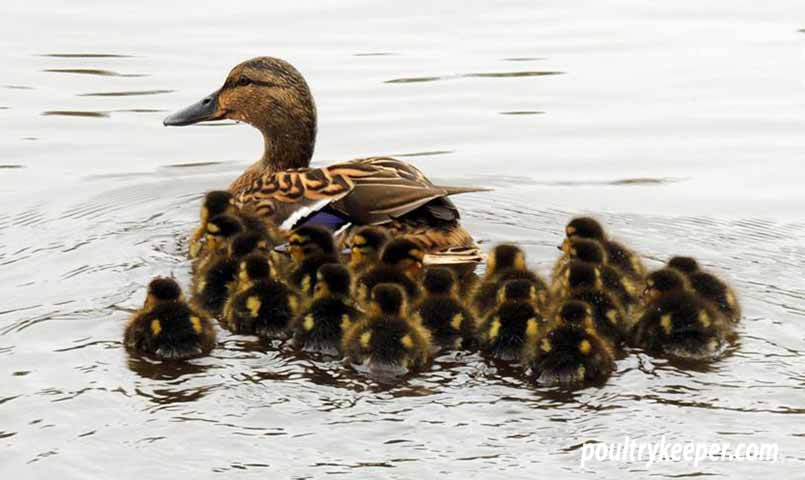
x=243 y=81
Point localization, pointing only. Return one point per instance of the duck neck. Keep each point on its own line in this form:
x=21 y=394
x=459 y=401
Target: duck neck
x=289 y=145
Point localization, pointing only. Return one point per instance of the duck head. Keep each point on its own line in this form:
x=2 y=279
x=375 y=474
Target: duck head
x=332 y=279
x=663 y=281
x=161 y=290
x=271 y=95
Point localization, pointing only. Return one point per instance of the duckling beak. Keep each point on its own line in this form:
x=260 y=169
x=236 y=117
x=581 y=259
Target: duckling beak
x=204 y=110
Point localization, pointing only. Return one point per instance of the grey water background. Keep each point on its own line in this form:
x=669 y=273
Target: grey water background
x=677 y=123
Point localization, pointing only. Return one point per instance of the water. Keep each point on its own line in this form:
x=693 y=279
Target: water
x=678 y=124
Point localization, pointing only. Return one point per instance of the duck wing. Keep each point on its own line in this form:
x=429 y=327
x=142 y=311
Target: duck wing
x=369 y=191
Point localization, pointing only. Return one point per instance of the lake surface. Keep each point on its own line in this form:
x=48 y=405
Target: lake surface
x=678 y=124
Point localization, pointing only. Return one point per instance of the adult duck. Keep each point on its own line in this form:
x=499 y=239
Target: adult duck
x=272 y=96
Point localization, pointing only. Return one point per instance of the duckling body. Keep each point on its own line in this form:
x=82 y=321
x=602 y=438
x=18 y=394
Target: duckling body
x=167 y=327
x=401 y=263
x=260 y=305
x=440 y=311
x=505 y=330
x=320 y=328
x=271 y=95
x=570 y=352
x=719 y=293
x=310 y=248
x=386 y=341
x=681 y=324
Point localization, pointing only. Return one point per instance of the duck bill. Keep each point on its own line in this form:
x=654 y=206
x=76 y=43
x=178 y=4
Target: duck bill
x=205 y=110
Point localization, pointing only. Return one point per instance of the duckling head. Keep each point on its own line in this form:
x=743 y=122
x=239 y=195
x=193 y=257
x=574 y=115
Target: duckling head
x=582 y=275
x=221 y=228
x=309 y=240
x=585 y=250
x=439 y=281
x=388 y=299
x=366 y=244
x=663 y=281
x=253 y=268
x=505 y=256
x=520 y=290
x=585 y=227
x=405 y=254
x=271 y=95
x=686 y=265
x=162 y=289
x=245 y=243
x=332 y=279
x=215 y=203
x=575 y=313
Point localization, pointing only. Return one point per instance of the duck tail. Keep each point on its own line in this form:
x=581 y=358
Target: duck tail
x=457 y=190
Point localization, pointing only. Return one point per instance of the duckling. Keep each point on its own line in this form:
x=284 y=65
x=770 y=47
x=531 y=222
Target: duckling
x=321 y=326
x=709 y=286
x=401 y=263
x=504 y=331
x=219 y=202
x=619 y=255
x=213 y=283
x=570 y=352
x=583 y=282
x=441 y=311
x=310 y=247
x=386 y=341
x=260 y=304
x=167 y=327
x=678 y=322
x=506 y=262
x=365 y=246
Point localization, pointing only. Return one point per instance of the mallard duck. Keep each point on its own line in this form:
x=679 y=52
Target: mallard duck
x=213 y=281
x=709 y=286
x=570 y=352
x=321 y=326
x=400 y=264
x=619 y=255
x=678 y=322
x=386 y=341
x=272 y=96
x=504 y=331
x=260 y=304
x=442 y=313
x=505 y=262
x=310 y=247
x=167 y=327
x=583 y=282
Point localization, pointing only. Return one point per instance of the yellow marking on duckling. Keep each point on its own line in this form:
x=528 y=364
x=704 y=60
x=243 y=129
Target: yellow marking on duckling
x=545 y=345
x=358 y=241
x=293 y=303
x=306 y=283
x=731 y=301
x=213 y=228
x=363 y=292
x=345 y=322
x=581 y=372
x=666 y=323
x=704 y=318
x=570 y=230
x=262 y=245
x=532 y=327
x=365 y=339
x=156 y=327
x=407 y=342
x=585 y=347
x=196 y=323
x=494 y=328
x=629 y=286
x=501 y=296
x=296 y=238
x=574 y=252
x=456 y=321
x=253 y=303
x=519 y=261
x=416 y=253
x=612 y=316
x=200 y=286
x=532 y=293
x=308 y=323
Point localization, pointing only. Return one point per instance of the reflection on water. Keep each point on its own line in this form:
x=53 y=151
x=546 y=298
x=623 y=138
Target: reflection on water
x=678 y=153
